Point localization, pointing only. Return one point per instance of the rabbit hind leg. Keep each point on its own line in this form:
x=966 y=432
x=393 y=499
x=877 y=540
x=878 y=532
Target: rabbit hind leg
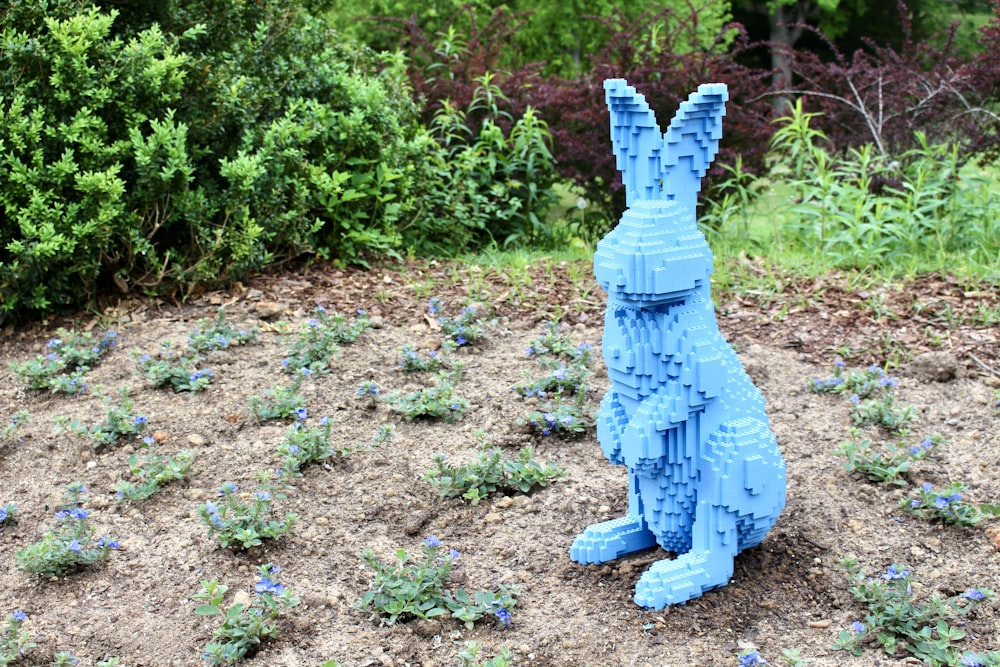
x=707 y=565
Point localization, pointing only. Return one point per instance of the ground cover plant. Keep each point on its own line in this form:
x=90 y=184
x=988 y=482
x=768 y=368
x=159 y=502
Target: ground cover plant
x=351 y=471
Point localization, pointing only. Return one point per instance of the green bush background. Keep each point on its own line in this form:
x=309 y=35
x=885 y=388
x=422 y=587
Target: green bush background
x=199 y=141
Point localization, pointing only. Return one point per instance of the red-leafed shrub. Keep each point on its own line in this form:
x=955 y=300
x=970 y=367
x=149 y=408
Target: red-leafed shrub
x=885 y=96
x=666 y=73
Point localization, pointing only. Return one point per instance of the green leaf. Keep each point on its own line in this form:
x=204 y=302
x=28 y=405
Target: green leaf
x=207 y=610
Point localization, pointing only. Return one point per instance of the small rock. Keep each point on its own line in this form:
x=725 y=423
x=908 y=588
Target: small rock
x=426 y=627
x=267 y=310
x=160 y=436
x=195 y=494
x=314 y=600
x=934 y=367
x=825 y=623
x=994 y=535
x=917 y=553
x=504 y=502
x=197 y=440
x=241 y=597
x=493 y=517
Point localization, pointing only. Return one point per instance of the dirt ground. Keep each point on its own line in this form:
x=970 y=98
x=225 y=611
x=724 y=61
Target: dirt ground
x=786 y=593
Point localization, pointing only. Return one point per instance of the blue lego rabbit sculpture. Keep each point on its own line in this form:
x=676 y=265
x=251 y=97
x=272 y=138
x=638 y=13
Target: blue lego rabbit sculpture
x=706 y=477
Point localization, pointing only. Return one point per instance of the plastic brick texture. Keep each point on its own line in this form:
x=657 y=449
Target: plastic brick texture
x=706 y=476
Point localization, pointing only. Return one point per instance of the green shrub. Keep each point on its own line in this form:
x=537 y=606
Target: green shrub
x=162 y=147
x=487 y=186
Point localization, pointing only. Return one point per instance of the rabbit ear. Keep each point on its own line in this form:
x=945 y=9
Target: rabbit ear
x=671 y=165
x=636 y=140
x=691 y=143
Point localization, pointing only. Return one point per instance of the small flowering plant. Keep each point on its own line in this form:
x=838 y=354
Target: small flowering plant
x=368 y=392
x=303 y=446
x=489 y=473
x=244 y=624
x=70 y=544
x=384 y=434
x=151 y=472
x=416 y=587
x=890 y=462
x=882 y=411
x=560 y=380
x=67 y=359
x=14 y=641
x=928 y=629
x=947 y=506
x=242 y=519
x=468 y=656
x=319 y=339
x=411 y=361
x=12 y=430
x=566 y=418
x=865 y=383
x=282 y=401
x=468 y=328
x=220 y=334
x=119 y=424
x=8 y=515
x=174 y=369
x=558 y=345
x=437 y=402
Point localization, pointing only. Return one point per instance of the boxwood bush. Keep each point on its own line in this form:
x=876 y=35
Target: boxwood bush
x=155 y=148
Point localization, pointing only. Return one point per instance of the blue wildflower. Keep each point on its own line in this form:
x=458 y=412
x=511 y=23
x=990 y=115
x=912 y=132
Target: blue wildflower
x=108 y=543
x=301 y=414
x=752 y=659
x=432 y=541
x=970 y=660
x=138 y=421
x=460 y=339
x=891 y=573
x=504 y=616
x=858 y=627
x=453 y=554
x=839 y=364
x=227 y=488
x=19 y=616
x=973 y=594
x=263 y=495
x=3 y=515
x=265 y=585
x=927 y=486
x=75 y=546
